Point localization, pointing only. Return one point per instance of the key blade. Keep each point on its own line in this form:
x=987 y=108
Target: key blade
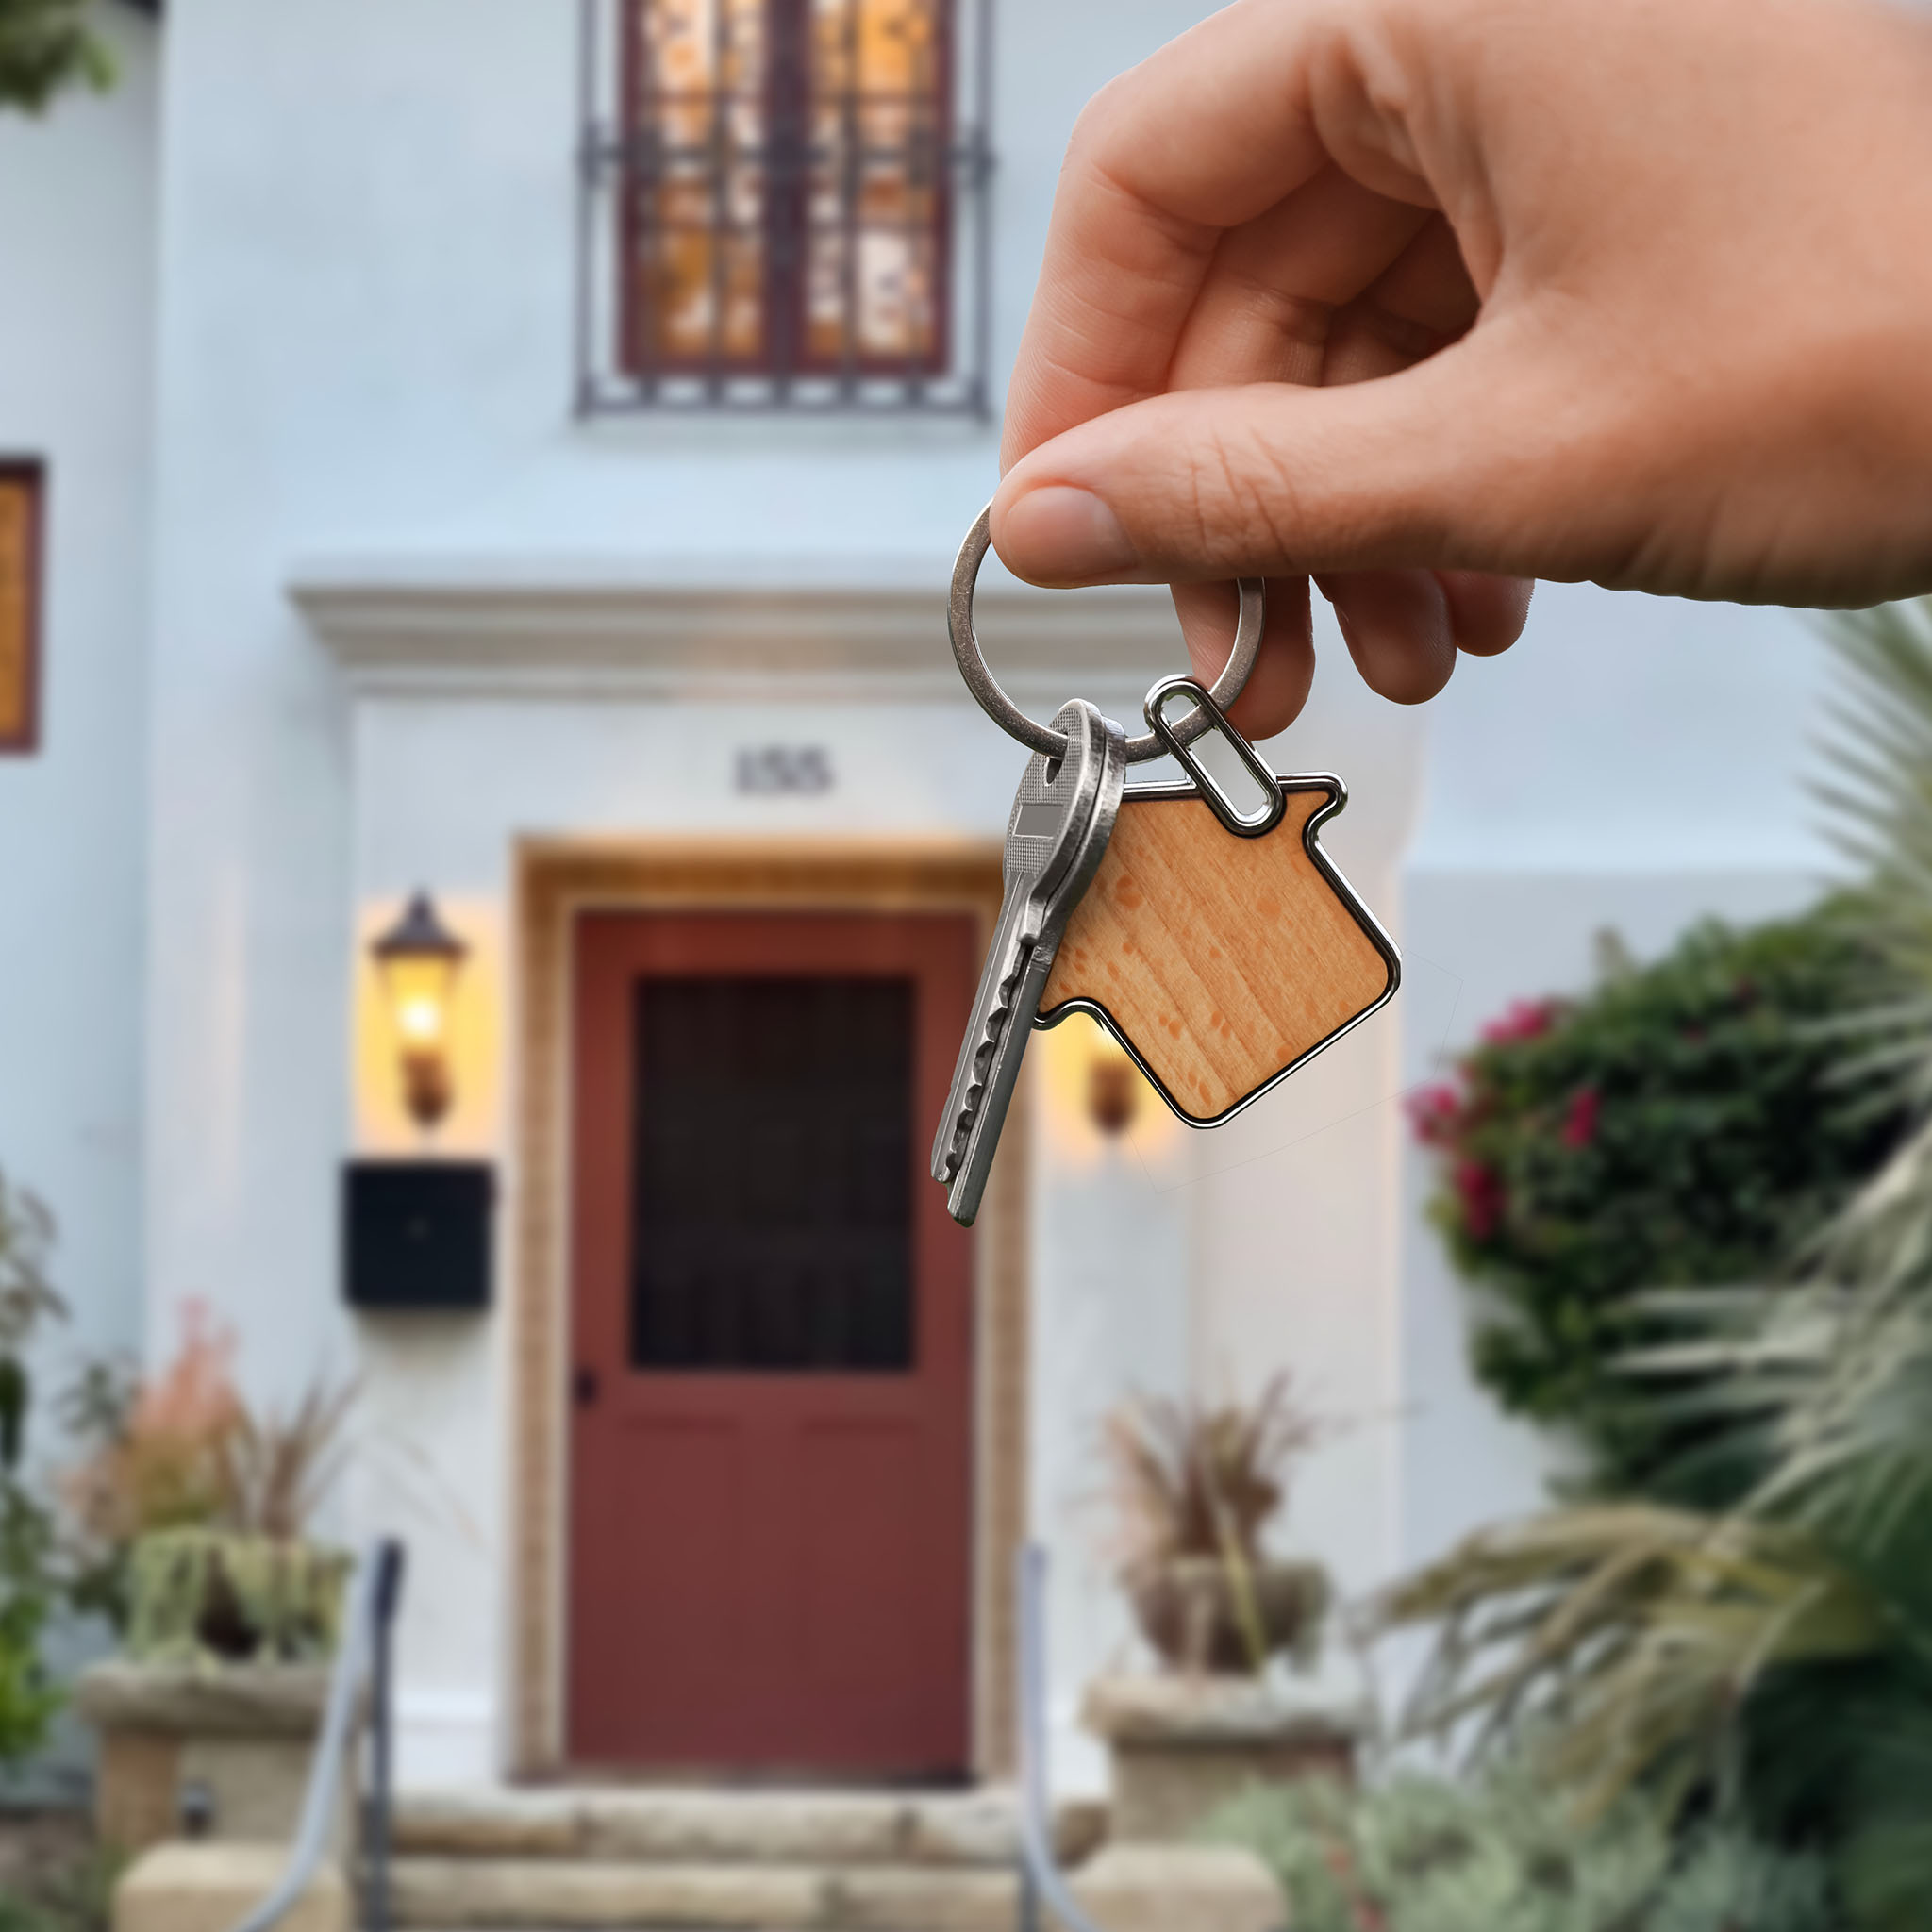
x=1005 y=960
x=1032 y=919
x=1052 y=804
x=999 y=1075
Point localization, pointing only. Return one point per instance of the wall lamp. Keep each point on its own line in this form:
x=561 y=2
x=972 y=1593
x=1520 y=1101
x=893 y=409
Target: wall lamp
x=418 y=959
x=1113 y=1086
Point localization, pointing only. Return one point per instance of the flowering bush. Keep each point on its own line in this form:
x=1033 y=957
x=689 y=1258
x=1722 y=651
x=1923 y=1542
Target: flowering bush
x=1679 y=1124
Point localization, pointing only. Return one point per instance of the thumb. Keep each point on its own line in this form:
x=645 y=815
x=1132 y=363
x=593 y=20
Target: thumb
x=1454 y=463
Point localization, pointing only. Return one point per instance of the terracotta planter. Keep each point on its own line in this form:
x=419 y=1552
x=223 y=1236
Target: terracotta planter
x=1191 y=1610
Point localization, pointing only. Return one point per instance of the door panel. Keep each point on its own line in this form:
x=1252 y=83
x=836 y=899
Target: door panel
x=770 y=1504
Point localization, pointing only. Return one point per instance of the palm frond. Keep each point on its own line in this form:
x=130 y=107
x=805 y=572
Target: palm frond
x=1627 y=1636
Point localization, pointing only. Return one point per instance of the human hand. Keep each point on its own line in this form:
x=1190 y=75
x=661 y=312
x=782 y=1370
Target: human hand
x=1427 y=297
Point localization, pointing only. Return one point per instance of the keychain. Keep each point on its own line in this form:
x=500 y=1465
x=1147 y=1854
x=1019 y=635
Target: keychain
x=1219 y=945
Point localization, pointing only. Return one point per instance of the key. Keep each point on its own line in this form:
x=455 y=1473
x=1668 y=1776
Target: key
x=1063 y=815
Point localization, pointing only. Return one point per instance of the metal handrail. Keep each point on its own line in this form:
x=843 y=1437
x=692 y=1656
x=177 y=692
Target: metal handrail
x=1040 y=1869
x=374 y=1589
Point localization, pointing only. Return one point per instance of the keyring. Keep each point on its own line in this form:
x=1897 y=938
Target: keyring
x=1042 y=738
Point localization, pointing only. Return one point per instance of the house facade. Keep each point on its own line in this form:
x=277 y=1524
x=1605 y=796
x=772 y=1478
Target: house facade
x=514 y=451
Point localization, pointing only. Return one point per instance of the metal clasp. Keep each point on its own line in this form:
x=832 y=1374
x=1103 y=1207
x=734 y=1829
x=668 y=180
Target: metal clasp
x=1270 y=801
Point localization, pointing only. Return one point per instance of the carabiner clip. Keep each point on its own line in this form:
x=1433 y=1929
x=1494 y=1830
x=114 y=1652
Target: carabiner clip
x=1274 y=802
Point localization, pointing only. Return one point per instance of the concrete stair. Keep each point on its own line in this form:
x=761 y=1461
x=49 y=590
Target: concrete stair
x=719 y=1861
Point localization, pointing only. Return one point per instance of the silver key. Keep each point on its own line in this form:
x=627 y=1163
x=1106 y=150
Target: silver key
x=1063 y=815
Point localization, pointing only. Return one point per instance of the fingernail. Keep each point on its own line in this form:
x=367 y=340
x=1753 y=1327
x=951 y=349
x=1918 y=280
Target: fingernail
x=1058 y=534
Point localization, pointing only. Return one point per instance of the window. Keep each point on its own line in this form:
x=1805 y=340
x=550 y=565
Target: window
x=784 y=204
x=22 y=483
x=771 y=1202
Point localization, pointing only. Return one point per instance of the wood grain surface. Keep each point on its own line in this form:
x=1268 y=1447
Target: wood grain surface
x=1224 y=959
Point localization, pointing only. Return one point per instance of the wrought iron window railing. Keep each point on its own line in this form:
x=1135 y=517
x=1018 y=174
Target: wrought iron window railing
x=782 y=204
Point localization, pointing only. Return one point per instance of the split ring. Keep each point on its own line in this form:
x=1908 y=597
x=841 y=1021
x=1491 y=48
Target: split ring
x=1042 y=738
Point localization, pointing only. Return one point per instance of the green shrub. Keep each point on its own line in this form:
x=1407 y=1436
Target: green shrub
x=1680 y=1124
x=29 y=1586
x=45 y=46
x=1505 y=1855
x=28 y=1697
x=61 y=1883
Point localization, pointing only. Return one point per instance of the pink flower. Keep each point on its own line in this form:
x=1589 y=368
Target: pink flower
x=1480 y=1191
x=1435 y=1113
x=1579 y=1124
x=1523 y=1020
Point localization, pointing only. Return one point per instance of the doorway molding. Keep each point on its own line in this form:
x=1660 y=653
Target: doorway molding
x=555 y=880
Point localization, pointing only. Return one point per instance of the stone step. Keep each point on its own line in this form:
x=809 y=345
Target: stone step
x=690 y=1827
x=1124 y=1888
x=574 y=1895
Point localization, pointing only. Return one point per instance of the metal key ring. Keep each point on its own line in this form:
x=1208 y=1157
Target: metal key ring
x=1042 y=738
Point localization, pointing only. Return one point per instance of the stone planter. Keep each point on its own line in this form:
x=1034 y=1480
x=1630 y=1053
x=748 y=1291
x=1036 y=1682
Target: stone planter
x=225 y=1748
x=1198 y=1616
x=1179 y=1747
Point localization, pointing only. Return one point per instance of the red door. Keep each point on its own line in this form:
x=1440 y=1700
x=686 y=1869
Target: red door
x=770 y=1488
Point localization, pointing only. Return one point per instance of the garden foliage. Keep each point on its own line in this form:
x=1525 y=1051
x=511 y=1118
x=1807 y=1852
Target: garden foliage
x=1684 y=1122
x=28 y=1585
x=1774 y=1657
x=1506 y=1854
x=46 y=45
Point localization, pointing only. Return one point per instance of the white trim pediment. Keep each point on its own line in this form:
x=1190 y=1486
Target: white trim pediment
x=457 y=631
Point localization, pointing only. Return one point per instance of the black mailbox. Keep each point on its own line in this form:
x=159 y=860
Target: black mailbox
x=416 y=1234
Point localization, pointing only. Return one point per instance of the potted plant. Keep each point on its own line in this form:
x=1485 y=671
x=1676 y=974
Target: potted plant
x=194 y=1511
x=1195 y=1488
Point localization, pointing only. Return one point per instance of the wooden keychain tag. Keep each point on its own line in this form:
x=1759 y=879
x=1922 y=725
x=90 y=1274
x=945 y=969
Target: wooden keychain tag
x=1223 y=950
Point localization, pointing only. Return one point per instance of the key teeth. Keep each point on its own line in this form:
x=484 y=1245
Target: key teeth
x=982 y=1060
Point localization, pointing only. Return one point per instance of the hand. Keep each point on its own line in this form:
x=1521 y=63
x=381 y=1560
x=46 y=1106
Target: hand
x=1426 y=298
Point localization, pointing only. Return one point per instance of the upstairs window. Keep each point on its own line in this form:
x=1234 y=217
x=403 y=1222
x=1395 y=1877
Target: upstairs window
x=784 y=205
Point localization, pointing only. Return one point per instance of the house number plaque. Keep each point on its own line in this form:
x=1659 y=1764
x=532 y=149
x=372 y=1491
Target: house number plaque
x=20 y=604
x=769 y=771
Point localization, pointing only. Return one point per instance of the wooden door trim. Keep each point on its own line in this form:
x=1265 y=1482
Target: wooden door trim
x=557 y=880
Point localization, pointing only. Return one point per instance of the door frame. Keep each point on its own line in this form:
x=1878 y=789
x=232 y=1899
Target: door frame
x=555 y=881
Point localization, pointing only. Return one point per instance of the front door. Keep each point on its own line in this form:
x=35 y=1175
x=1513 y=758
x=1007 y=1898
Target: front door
x=771 y=1487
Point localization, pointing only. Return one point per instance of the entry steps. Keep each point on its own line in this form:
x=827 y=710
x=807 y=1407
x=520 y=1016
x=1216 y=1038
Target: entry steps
x=716 y=1861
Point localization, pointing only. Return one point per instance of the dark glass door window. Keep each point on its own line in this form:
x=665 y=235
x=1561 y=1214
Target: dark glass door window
x=771 y=1204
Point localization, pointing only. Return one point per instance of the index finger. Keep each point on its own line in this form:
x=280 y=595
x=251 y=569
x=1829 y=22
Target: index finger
x=1162 y=162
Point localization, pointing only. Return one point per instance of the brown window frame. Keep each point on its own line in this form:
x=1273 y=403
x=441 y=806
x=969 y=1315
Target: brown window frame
x=30 y=474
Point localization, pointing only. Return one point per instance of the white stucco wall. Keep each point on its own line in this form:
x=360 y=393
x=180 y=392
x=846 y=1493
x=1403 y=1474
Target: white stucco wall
x=76 y=251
